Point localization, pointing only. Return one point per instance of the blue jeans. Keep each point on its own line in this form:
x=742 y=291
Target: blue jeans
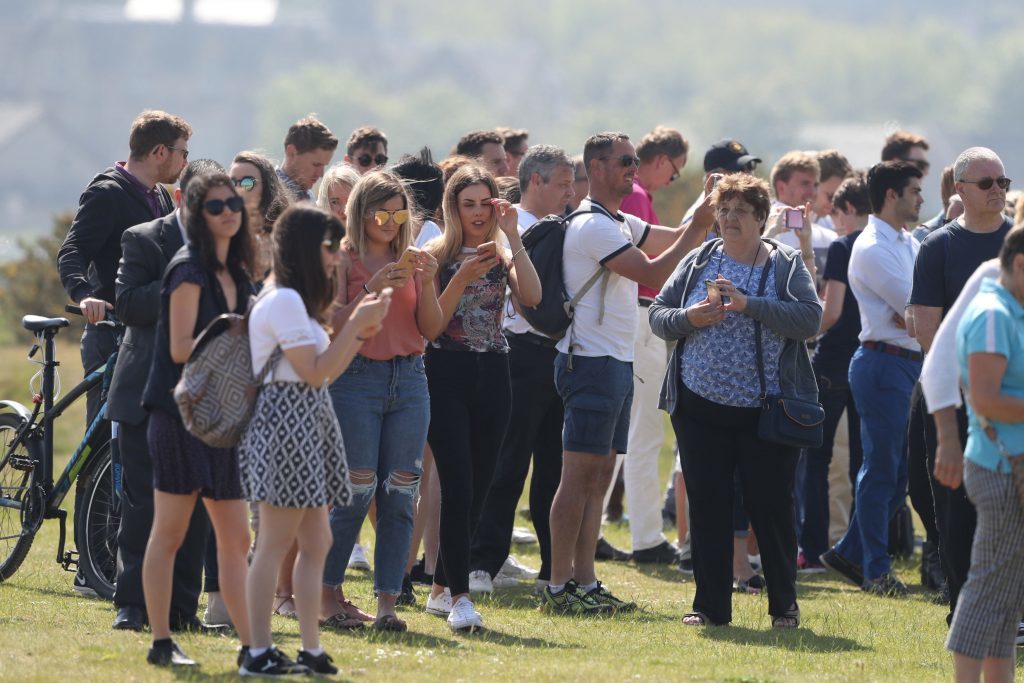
x=384 y=410
x=881 y=384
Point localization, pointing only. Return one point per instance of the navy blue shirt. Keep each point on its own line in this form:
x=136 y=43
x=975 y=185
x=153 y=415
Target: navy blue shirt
x=948 y=258
x=836 y=347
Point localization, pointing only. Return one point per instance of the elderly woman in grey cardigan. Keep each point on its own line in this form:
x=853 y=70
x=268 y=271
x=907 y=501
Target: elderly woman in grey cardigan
x=713 y=394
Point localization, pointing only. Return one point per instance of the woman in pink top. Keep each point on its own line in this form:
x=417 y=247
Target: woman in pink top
x=381 y=401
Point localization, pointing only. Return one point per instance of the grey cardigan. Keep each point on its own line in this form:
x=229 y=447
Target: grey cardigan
x=796 y=316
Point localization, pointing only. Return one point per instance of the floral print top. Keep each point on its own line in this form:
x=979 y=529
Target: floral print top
x=476 y=324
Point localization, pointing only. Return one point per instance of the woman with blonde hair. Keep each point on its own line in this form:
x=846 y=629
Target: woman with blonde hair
x=467 y=369
x=335 y=188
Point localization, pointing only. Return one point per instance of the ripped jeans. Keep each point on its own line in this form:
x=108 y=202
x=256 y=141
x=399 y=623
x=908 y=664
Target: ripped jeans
x=384 y=410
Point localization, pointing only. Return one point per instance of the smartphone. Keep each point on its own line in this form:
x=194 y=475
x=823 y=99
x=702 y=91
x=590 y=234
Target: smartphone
x=714 y=296
x=795 y=219
x=408 y=259
x=489 y=249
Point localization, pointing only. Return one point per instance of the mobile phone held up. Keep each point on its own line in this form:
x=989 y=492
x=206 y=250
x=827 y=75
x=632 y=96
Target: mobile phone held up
x=794 y=219
x=714 y=296
x=408 y=259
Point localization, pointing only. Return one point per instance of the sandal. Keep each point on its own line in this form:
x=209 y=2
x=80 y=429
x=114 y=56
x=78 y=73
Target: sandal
x=342 y=621
x=353 y=612
x=788 y=619
x=284 y=605
x=752 y=586
x=696 y=619
x=389 y=622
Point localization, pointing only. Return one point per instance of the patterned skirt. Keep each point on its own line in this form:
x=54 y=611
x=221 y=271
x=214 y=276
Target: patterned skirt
x=292 y=455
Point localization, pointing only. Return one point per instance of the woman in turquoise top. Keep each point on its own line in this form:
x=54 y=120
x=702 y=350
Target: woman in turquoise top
x=990 y=350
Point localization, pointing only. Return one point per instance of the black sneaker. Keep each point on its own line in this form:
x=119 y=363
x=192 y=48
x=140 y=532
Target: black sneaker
x=82 y=587
x=320 y=664
x=169 y=655
x=887 y=586
x=932 y=575
x=242 y=652
x=685 y=565
x=572 y=600
x=407 y=597
x=663 y=553
x=273 y=662
x=837 y=563
x=606 y=551
x=417 y=573
x=603 y=596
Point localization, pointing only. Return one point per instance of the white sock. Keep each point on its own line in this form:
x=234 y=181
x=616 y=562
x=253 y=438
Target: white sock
x=556 y=587
x=587 y=587
x=315 y=651
x=255 y=652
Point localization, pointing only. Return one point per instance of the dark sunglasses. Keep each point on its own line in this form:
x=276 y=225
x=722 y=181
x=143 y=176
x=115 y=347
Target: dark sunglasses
x=625 y=160
x=986 y=183
x=215 y=207
x=333 y=245
x=675 y=171
x=248 y=183
x=366 y=159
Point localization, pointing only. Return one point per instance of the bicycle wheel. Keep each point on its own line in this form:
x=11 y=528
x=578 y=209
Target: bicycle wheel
x=96 y=522
x=19 y=504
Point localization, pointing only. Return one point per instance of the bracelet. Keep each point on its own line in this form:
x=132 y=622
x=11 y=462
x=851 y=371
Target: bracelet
x=520 y=251
x=367 y=291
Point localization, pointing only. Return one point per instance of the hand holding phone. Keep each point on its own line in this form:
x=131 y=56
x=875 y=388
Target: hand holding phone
x=408 y=259
x=714 y=295
x=794 y=219
x=487 y=250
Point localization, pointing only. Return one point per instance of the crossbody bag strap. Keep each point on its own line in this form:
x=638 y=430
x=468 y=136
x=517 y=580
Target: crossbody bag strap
x=758 y=352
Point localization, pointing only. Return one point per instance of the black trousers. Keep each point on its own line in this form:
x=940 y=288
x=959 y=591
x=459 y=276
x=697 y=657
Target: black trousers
x=955 y=516
x=919 y=464
x=470 y=401
x=136 y=522
x=716 y=442
x=536 y=419
x=98 y=343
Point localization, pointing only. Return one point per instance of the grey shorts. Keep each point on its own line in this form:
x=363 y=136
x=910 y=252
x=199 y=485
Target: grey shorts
x=597 y=394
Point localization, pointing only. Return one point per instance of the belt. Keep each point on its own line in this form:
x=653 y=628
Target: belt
x=645 y=303
x=531 y=338
x=893 y=350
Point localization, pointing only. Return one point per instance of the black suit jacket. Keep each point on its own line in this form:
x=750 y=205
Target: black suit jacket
x=145 y=251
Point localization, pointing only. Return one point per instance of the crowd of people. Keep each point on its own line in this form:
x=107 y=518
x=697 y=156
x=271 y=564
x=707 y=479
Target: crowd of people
x=402 y=380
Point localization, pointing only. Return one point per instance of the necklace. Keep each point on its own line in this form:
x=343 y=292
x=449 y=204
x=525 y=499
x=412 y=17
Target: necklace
x=750 y=273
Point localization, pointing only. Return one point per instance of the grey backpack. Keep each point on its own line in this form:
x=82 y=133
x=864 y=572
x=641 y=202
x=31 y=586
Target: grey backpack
x=217 y=392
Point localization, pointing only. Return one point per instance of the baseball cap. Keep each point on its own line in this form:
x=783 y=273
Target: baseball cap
x=730 y=155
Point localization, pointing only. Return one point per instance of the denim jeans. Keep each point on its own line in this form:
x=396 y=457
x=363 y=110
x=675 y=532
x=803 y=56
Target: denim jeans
x=384 y=410
x=881 y=384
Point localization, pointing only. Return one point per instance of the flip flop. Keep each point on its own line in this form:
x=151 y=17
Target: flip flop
x=389 y=622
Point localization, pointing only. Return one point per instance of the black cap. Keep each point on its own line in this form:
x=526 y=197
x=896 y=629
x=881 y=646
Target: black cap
x=730 y=155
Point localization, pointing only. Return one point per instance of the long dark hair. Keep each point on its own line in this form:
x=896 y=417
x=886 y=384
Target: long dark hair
x=298 y=239
x=240 y=253
x=274 y=198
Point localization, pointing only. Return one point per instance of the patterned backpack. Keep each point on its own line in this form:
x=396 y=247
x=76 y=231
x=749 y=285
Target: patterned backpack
x=217 y=391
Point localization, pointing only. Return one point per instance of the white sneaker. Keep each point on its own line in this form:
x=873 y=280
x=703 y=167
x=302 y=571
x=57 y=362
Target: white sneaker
x=502 y=580
x=357 y=560
x=480 y=582
x=521 y=536
x=216 y=613
x=464 y=616
x=441 y=605
x=512 y=568
x=539 y=586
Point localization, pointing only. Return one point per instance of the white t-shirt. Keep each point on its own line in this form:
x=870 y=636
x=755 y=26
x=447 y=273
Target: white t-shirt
x=429 y=231
x=514 y=322
x=591 y=241
x=279 y=318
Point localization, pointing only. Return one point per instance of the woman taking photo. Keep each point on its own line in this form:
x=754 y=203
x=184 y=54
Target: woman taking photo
x=207 y=277
x=381 y=400
x=990 y=349
x=467 y=369
x=710 y=306
x=291 y=456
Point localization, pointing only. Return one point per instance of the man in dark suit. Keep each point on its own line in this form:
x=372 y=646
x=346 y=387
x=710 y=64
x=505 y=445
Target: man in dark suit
x=146 y=250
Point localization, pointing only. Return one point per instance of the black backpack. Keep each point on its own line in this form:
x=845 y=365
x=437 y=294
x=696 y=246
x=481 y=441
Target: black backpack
x=544 y=241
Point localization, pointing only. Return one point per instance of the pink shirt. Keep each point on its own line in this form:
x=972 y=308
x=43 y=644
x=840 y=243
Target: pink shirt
x=640 y=203
x=400 y=335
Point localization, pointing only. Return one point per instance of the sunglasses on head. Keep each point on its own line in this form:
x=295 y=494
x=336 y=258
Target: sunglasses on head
x=399 y=216
x=625 y=160
x=215 y=207
x=986 y=183
x=366 y=159
x=248 y=183
x=333 y=245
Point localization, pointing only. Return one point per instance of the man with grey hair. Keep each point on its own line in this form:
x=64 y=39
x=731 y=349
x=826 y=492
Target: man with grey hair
x=545 y=180
x=947 y=259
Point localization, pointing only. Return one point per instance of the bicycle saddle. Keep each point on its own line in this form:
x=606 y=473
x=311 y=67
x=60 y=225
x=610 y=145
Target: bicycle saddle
x=37 y=323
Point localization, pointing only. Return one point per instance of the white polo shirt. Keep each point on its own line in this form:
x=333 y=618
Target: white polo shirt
x=514 y=322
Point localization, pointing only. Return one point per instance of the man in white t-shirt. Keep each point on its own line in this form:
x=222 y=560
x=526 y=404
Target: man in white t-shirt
x=594 y=367
x=545 y=181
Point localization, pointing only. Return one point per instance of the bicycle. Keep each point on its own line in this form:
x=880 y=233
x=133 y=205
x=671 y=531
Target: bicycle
x=28 y=493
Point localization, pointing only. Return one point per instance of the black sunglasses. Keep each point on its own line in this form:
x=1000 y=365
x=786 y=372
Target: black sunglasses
x=986 y=183
x=366 y=159
x=248 y=183
x=215 y=207
x=626 y=160
x=675 y=171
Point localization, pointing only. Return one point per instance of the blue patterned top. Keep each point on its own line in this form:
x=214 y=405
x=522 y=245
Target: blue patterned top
x=719 y=362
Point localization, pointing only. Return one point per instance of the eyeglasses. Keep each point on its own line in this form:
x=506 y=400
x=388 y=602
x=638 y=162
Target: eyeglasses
x=215 y=207
x=248 y=183
x=183 y=150
x=921 y=164
x=724 y=212
x=399 y=216
x=986 y=183
x=366 y=160
x=333 y=245
x=625 y=160
x=675 y=171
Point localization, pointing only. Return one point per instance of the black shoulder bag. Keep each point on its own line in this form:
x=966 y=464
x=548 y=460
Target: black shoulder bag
x=784 y=420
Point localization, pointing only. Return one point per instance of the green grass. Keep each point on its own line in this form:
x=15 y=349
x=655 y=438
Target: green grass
x=47 y=632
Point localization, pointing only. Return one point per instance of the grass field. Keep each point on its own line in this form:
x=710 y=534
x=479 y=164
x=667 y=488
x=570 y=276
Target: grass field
x=48 y=633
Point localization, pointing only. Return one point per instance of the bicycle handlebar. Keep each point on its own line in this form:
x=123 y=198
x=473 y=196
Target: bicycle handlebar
x=110 y=321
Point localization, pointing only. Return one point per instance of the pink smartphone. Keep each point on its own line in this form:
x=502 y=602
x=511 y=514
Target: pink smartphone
x=795 y=219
